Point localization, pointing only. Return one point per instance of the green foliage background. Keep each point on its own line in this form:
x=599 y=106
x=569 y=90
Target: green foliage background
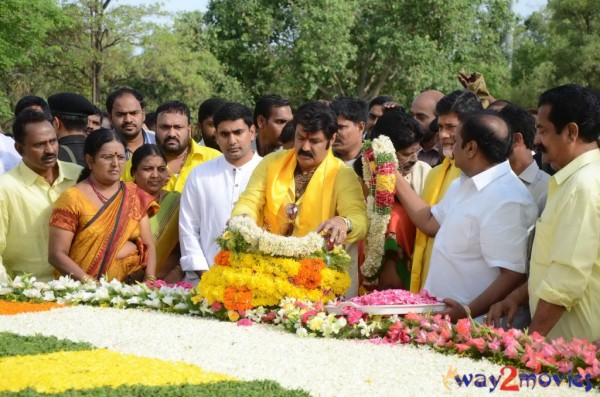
x=301 y=49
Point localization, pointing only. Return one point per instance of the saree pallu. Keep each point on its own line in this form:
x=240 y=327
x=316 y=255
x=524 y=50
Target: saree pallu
x=165 y=228
x=99 y=234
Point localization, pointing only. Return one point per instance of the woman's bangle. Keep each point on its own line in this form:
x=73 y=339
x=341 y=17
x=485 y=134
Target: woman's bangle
x=86 y=278
x=149 y=279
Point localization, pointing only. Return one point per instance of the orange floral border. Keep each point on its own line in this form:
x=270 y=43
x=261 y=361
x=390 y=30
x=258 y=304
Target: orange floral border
x=12 y=308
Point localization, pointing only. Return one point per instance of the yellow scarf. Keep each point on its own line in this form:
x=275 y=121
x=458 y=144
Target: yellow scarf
x=314 y=205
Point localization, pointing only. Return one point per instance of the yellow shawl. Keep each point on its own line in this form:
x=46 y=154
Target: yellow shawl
x=315 y=203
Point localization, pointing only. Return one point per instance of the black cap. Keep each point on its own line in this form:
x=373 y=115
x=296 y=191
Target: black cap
x=70 y=104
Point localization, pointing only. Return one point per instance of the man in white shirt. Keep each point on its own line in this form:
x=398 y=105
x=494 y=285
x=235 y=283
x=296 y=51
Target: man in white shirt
x=481 y=223
x=522 y=126
x=213 y=187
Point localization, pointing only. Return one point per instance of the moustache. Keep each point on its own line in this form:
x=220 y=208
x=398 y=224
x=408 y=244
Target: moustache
x=306 y=153
x=541 y=148
x=171 y=139
x=408 y=165
x=48 y=157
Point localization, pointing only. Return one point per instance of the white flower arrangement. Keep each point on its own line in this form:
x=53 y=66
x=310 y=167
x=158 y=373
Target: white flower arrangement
x=377 y=153
x=273 y=244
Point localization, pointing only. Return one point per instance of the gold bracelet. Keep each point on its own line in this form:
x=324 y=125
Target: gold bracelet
x=149 y=279
x=467 y=310
x=348 y=224
x=85 y=279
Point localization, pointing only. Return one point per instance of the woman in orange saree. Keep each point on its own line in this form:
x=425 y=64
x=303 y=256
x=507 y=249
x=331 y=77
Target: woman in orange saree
x=100 y=227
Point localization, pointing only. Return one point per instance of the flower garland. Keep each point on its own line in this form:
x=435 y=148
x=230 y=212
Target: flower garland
x=379 y=173
x=306 y=318
x=267 y=243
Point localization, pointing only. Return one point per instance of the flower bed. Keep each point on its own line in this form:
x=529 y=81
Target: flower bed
x=37 y=365
x=305 y=318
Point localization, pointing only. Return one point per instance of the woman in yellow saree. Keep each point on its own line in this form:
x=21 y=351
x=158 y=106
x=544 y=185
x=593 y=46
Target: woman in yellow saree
x=150 y=173
x=100 y=227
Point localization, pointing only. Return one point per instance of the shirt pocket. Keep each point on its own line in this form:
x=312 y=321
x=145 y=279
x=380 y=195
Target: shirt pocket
x=542 y=243
x=462 y=238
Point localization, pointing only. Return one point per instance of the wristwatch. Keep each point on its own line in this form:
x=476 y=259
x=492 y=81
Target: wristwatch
x=348 y=224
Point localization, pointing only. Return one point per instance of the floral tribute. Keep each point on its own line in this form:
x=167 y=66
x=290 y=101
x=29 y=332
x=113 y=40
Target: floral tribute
x=303 y=317
x=379 y=173
x=257 y=268
x=395 y=297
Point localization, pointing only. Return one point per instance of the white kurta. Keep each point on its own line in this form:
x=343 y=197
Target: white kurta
x=210 y=192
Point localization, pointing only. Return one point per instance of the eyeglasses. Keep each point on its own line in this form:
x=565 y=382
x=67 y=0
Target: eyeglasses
x=291 y=211
x=110 y=158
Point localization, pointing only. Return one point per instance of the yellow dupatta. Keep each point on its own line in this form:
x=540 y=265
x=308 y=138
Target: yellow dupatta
x=165 y=228
x=314 y=205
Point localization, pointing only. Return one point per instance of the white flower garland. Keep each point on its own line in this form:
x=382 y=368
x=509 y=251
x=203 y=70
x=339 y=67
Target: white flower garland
x=374 y=244
x=273 y=244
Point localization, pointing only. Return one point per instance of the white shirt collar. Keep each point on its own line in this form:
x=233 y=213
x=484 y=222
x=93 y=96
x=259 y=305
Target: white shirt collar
x=528 y=175
x=255 y=158
x=484 y=178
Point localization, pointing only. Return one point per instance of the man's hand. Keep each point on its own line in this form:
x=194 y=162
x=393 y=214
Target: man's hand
x=391 y=105
x=466 y=79
x=455 y=310
x=336 y=229
x=507 y=307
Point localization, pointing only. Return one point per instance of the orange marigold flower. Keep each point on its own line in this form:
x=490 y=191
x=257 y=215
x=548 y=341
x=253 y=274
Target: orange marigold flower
x=309 y=276
x=222 y=258
x=237 y=298
x=10 y=308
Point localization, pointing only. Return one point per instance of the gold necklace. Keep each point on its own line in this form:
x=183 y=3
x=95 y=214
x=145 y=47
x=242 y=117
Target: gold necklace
x=302 y=178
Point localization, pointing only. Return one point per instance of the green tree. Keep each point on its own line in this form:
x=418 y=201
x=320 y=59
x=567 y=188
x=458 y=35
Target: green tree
x=312 y=49
x=557 y=45
x=175 y=64
x=292 y=47
x=23 y=30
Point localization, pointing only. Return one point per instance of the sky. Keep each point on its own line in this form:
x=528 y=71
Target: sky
x=522 y=7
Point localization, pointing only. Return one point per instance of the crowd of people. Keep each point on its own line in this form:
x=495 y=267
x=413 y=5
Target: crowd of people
x=497 y=208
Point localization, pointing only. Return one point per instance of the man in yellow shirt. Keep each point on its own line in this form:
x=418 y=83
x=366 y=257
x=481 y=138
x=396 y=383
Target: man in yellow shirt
x=174 y=135
x=448 y=110
x=297 y=191
x=564 y=281
x=27 y=194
